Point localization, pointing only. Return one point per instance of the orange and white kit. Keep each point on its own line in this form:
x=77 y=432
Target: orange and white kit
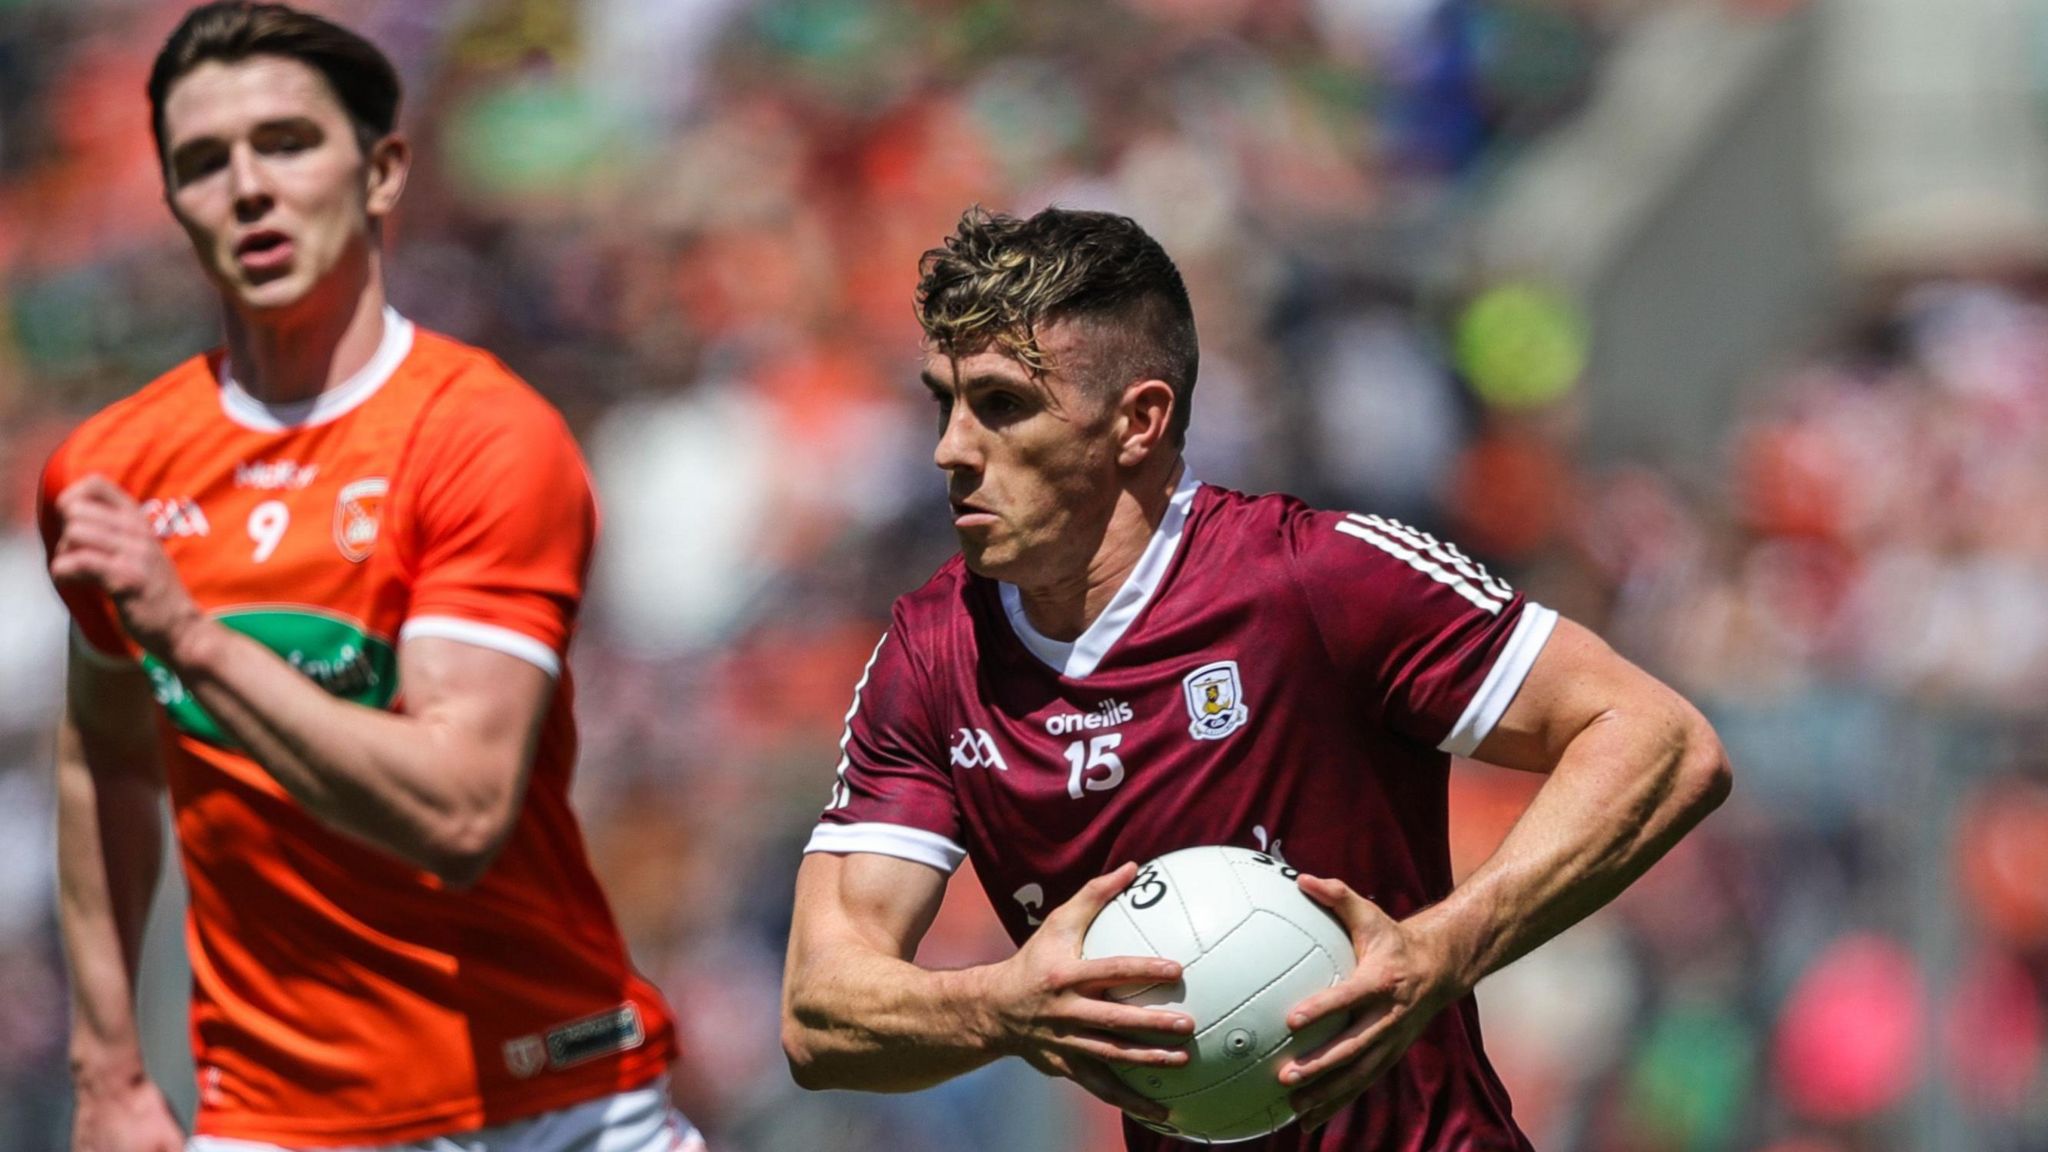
x=341 y=996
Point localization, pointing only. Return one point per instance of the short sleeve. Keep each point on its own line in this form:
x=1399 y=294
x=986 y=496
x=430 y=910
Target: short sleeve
x=502 y=529
x=96 y=626
x=1435 y=645
x=893 y=794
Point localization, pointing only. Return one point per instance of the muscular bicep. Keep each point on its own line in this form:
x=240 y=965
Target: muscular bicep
x=864 y=899
x=1575 y=682
x=489 y=704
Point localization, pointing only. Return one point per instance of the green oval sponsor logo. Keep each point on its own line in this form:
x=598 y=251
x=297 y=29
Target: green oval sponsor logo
x=331 y=651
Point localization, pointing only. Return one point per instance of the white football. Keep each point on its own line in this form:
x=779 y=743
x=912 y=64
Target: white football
x=1251 y=946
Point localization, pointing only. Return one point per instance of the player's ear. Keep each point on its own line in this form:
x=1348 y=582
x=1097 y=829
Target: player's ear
x=390 y=160
x=1142 y=420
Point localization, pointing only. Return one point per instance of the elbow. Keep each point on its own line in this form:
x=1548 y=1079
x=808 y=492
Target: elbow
x=803 y=1063
x=800 y=1050
x=460 y=853
x=808 y=1035
x=1705 y=776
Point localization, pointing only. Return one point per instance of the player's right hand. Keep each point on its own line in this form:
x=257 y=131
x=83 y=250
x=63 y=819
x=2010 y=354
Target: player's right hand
x=107 y=542
x=130 y=1117
x=1051 y=1010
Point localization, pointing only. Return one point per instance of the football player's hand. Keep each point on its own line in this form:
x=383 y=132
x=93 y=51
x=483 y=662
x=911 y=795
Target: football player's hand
x=131 y=1116
x=1051 y=1010
x=106 y=541
x=1398 y=985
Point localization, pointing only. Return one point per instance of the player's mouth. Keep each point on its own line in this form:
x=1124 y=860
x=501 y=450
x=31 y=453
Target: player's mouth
x=966 y=515
x=267 y=251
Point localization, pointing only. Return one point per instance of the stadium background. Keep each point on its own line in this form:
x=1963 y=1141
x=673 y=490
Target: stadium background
x=1717 y=324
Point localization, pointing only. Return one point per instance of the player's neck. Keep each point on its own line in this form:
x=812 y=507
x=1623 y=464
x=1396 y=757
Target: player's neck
x=295 y=357
x=1063 y=608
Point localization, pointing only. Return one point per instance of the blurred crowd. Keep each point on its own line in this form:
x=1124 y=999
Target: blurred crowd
x=1853 y=954
x=695 y=227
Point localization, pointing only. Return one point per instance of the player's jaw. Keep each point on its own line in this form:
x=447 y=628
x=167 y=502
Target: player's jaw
x=976 y=522
x=1024 y=516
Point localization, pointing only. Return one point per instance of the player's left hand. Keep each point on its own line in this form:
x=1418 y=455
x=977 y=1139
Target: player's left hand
x=105 y=540
x=1401 y=981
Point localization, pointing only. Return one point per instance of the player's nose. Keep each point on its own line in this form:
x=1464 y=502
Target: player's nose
x=957 y=447
x=248 y=185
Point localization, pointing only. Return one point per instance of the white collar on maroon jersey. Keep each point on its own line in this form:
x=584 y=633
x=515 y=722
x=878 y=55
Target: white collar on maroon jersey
x=330 y=405
x=1077 y=658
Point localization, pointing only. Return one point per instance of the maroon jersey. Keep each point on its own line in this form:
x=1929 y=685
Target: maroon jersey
x=1270 y=676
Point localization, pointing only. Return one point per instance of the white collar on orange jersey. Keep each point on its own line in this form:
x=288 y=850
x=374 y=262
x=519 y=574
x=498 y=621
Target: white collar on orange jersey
x=330 y=405
x=1077 y=658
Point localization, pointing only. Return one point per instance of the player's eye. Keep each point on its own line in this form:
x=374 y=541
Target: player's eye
x=191 y=164
x=999 y=406
x=287 y=141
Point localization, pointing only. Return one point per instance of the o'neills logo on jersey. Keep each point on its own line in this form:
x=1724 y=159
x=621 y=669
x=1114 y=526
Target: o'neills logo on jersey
x=1215 y=700
x=357 y=508
x=1107 y=714
x=275 y=475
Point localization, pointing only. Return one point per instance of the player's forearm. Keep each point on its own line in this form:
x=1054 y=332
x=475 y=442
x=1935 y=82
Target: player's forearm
x=858 y=1019
x=396 y=781
x=109 y=850
x=1627 y=788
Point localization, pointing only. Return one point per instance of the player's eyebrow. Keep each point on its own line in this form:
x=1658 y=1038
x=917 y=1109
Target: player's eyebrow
x=940 y=387
x=185 y=149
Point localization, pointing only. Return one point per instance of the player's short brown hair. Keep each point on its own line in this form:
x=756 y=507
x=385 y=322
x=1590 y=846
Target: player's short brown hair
x=998 y=280
x=234 y=30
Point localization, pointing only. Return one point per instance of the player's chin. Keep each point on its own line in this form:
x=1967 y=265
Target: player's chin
x=272 y=293
x=984 y=557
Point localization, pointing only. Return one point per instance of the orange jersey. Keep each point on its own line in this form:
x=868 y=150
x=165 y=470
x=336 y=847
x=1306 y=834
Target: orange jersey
x=341 y=996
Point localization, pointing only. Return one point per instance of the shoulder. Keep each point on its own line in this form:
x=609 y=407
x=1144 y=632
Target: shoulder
x=937 y=605
x=1374 y=560
x=149 y=420
x=1231 y=510
x=1308 y=534
x=1269 y=526
x=478 y=388
x=473 y=409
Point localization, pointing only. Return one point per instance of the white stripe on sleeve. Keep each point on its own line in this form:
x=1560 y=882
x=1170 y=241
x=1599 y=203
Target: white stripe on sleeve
x=492 y=636
x=898 y=840
x=1502 y=681
x=1429 y=565
x=842 y=793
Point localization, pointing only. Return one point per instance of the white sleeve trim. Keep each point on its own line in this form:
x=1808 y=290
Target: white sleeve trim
x=898 y=840
x=492 y=636
x=91 y=653
x=1502 y=681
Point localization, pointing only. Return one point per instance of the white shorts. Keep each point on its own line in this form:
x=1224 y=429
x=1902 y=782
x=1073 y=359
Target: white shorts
x=638 y=1121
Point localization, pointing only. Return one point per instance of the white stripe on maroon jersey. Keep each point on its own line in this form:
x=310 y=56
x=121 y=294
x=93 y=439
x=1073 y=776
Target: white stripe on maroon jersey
x=841 y=795
x=1443 y=550
x=1427 y=565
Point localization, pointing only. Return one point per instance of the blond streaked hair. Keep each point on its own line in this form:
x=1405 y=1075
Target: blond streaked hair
x=998 y=280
